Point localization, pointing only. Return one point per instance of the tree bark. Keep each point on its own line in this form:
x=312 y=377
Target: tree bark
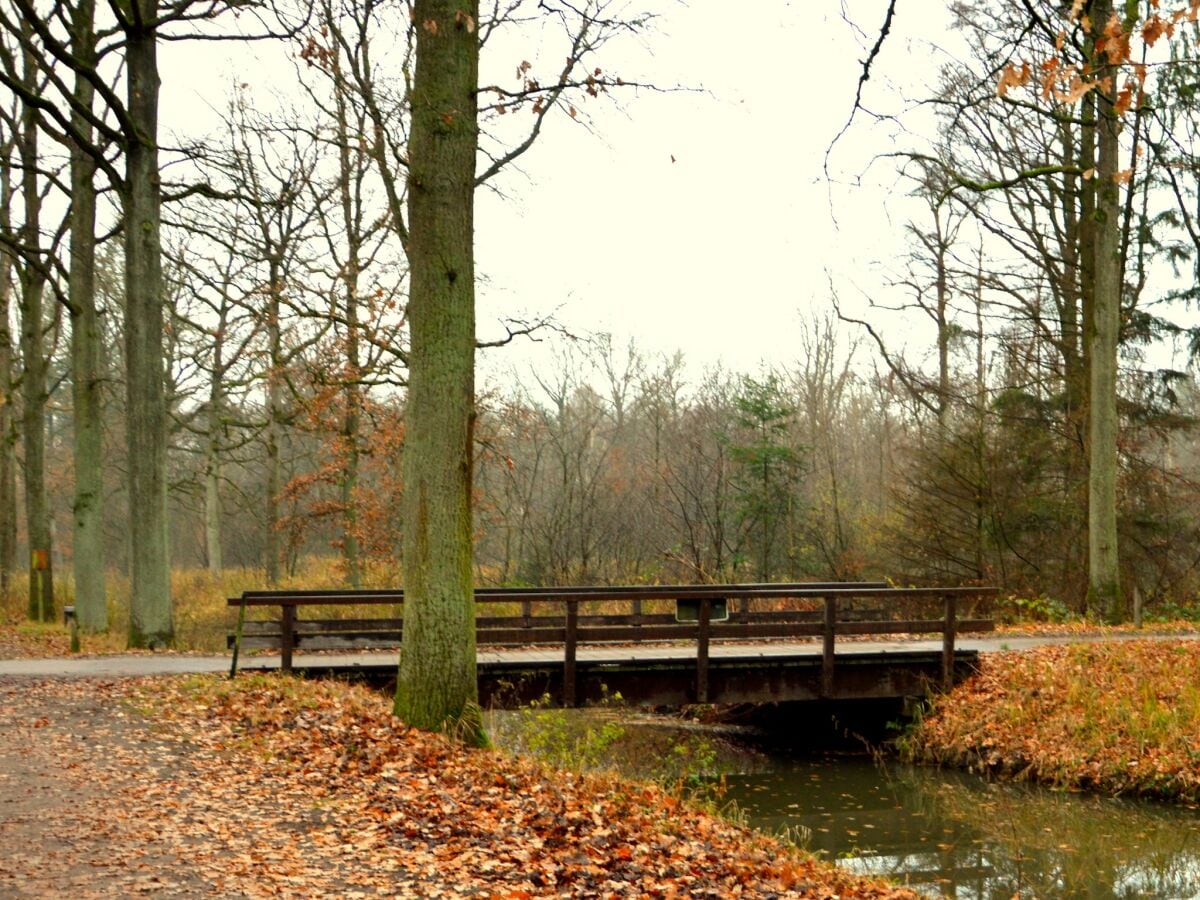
x=212 y=454
x=1104 y=587
x=33 y=381
x=8 y=430
x=436 y=688
x=151 y=619
x=350 y=278
x=87 y=558
x=274 y=422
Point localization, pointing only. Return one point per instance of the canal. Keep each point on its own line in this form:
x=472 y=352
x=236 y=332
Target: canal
x=950 y=834
x=945 y=833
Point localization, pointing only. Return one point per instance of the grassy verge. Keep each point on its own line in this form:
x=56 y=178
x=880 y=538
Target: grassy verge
x=1119 y=718
x=202 y=617
x=519 y=827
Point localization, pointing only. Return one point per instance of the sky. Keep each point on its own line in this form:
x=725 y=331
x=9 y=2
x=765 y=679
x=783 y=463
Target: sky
x=701 y=220
x=697 y=220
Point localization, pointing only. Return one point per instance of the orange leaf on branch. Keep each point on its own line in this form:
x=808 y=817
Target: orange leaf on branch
x=1012 y=77
x=1124 y=100
x=1114 y=43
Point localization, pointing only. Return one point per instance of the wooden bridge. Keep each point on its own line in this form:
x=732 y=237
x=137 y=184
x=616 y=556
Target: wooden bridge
x=663 y=645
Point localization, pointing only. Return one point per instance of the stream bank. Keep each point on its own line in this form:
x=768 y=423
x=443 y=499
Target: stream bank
x=1124 y=719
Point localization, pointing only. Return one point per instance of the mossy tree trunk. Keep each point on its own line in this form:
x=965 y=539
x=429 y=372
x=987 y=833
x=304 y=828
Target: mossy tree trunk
x=436 y=688
x=8 y=430
x=1104 y=587
x=151 y=619
x=87 y=557
x=350 y=165
x=33 y=377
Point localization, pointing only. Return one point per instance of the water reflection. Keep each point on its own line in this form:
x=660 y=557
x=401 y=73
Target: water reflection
x=952 y=835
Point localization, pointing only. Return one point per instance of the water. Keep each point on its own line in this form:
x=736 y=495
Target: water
x=949 y=834
x=945 y=833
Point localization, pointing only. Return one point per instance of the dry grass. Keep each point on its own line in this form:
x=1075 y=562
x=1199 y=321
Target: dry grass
x=1121 y=717
x=202 y=616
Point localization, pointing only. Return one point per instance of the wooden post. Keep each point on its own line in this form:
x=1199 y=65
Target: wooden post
x=72 y=622
x=1137 y=607
x=949 y=629
x=237 y=637
x=702 y=634
x=637 y=610
x=828 y=634
x=287 y=636
x=526 y=613
x=569 y=653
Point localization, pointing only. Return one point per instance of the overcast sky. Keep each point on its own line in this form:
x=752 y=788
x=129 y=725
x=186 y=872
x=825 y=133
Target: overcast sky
x=697 y=220
x=702 y=221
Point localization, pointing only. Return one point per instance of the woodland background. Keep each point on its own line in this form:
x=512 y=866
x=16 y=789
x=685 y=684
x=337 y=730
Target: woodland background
x=285 y=345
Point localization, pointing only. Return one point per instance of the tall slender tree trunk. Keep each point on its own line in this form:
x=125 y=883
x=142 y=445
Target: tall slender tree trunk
x=981 y=473
x=87 y=558
x=1104 y=587
x=274 y=421
x=151 y=619
x=212 y=453
x=942 y=286
x=351 y=391
x=212 y=510
x=8 y=425
x=436 y=688
x=1075 y=286
x=33 y=381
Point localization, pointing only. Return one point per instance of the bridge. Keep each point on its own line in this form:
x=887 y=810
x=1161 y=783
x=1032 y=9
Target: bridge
x=661 y=645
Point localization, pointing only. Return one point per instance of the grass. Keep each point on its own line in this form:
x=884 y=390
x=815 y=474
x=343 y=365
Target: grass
x=202 y=617
x=1117 y=718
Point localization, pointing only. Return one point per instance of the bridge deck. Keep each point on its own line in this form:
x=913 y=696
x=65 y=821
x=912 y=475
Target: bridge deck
x=666 y=675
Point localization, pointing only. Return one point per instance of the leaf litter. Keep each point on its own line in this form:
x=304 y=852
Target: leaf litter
x=1117 y=718
x=270 y=786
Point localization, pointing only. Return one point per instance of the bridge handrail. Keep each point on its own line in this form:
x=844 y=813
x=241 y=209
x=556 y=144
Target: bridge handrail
x=633 y=628
x=338 y=596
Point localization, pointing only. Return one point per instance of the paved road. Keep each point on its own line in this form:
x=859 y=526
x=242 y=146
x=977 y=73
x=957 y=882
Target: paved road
x=168 y=664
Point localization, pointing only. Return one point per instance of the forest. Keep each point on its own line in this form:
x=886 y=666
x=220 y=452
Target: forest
x=205 y=339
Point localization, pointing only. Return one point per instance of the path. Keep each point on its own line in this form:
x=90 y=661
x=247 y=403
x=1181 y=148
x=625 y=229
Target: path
x=167 y=664
x=95 y=801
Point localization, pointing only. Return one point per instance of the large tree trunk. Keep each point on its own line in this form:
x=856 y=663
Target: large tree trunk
x=1104 y=588
x=436 y=688
x=33 y=381
x=87 y=558
x=151 y=618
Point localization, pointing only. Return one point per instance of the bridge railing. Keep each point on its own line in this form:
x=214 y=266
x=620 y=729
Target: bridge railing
x=553 y=616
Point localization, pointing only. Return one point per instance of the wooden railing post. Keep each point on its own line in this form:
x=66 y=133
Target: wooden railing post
x=572 y=637
x=237 y=638
x=702 y=636
x=828 y=634
x=950 y=626
x=526 y=613
x=637 y=610
x=287 y=635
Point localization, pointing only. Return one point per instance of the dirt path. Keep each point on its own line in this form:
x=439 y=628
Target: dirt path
x=68 y=765
x=95 y=803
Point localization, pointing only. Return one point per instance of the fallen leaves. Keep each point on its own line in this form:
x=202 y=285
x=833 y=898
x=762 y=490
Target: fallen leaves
x=272 y=786
x=1117 y=717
